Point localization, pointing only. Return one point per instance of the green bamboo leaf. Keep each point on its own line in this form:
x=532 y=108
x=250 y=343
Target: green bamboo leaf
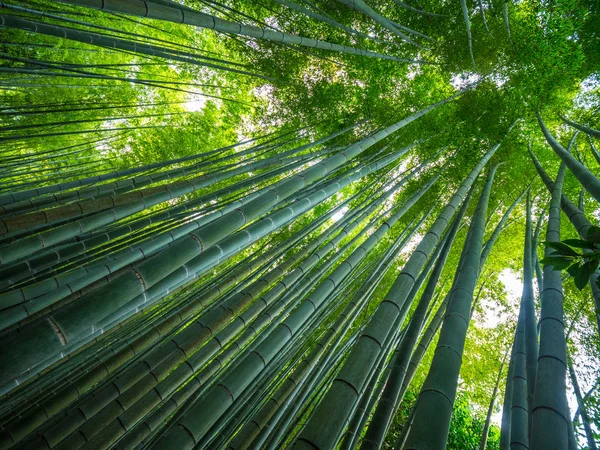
x=561 y=248
x=579 y=243
x=559 y=263
x=582 y=276
x=573 y=270
x=593 y=234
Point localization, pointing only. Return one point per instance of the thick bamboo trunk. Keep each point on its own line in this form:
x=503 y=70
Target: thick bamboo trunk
x=587 y=179
x=528 y=305
x=589 y=131
x=439 y=390
x=550 y=416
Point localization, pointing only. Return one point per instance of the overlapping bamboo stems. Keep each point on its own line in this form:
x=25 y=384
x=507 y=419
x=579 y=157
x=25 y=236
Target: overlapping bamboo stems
x=66 y=252
x=28 y=136
x=139 y=299
x=323 y=18
x=530 y=319
x=550 y=415
x=32 y=193
x=38 y=74
x=42 y=337
x=135 y=403
x=70 y=71
x=51 y=174
x=78 y=362
x=294 y=352
x=361 y=6
x=124 y=342
x=367 y=403
x=41 y=109
x=192 y=310
x=37 y=176
x=41 y=126
x=125 y=185
x=273 y=430
x=303 y=147
x=244 y=407
x=426 y=340
x=320 y=380
x=435 y=324
x=282 y=308
x=325 y=427
x=178 y=14
x=521 y=382
x=199 y=419
x=284 y=305
x=79 y=254
x=206 y=296
x=183 y=273
x=101 y=40
x=318 y=383
x=375 y=371
x=147 y=247
x=147 y=338
x=379 y=375
x=96 y=238
x=381 y=378
x=42 y=294
x=376 y=384
x=49 y=159
x=389 y=401
x=233 y=306
x=62 y=18
x=89 y=213
x=87 y=251
x=507 y=402
x=582 y=409
x=344 y=320
x=439 y=390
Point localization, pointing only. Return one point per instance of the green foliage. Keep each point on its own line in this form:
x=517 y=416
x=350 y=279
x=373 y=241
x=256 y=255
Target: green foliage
x=466 y=427
x=120 y=109
x=578 y=265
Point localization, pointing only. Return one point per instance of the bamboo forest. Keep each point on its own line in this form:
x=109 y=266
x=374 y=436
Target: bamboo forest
x=300 y=224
